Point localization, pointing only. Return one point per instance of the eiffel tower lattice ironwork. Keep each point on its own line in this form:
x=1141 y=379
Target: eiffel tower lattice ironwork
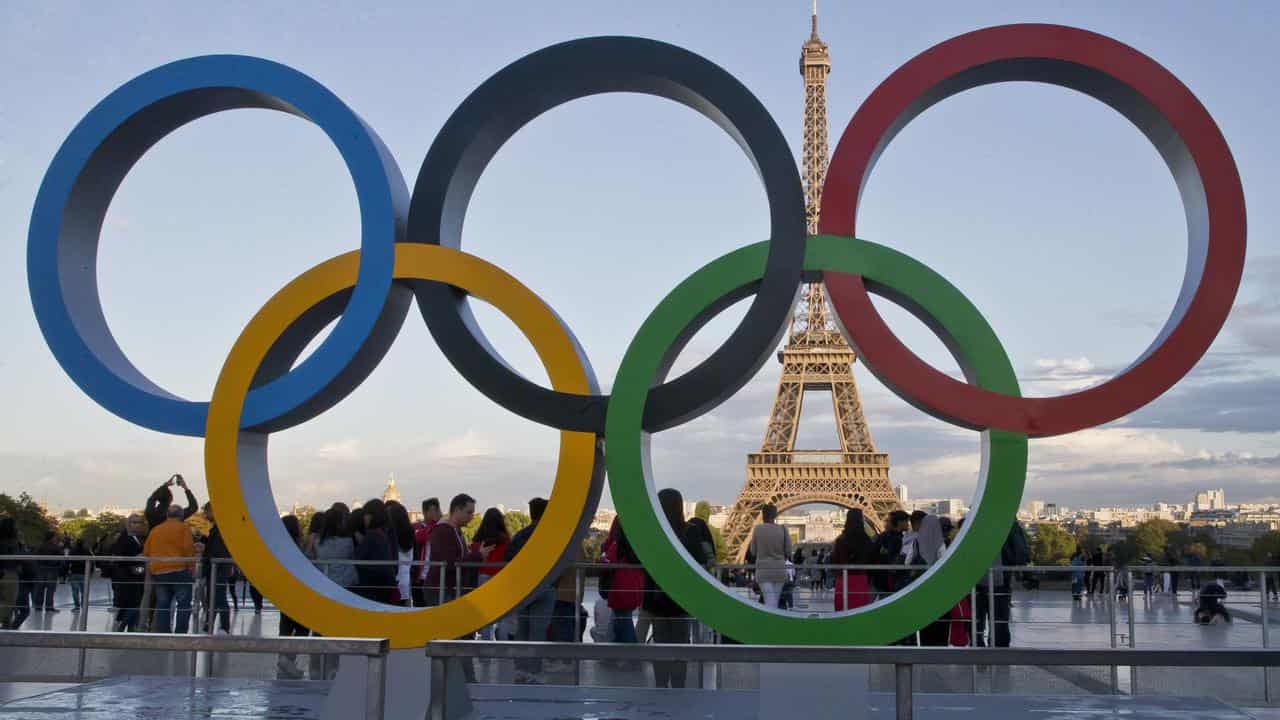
x=816 y=357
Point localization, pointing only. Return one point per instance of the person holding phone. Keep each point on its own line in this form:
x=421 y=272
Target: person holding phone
x=160 y=500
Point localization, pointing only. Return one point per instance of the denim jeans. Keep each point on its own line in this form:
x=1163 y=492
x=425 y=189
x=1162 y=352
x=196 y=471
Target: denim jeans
x=624 y=627
x=535 y=618
x=77 y=590
x=221 y=610
x=172 y=588
x=564 y=622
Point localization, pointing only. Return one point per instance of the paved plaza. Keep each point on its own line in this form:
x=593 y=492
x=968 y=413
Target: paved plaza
x=1041 y=619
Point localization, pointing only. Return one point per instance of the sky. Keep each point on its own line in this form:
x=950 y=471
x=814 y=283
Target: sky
x=1047 y=209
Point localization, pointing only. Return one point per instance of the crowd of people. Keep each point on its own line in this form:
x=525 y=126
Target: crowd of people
x=159 y=569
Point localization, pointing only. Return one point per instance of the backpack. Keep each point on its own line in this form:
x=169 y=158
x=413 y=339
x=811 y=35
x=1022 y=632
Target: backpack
x=1015 y=551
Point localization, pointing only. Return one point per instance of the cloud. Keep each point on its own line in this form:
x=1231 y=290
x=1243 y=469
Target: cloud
x=1247 y=406
x=348 y=449
x=470 y=444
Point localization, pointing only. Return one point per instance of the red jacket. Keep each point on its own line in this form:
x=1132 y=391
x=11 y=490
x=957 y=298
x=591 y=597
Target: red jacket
x=493 y=561
x=421 y=532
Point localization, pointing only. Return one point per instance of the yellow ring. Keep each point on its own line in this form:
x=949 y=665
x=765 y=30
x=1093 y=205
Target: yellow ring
x=279 y=570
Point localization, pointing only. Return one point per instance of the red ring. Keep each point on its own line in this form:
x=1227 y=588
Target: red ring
x=1148 y=95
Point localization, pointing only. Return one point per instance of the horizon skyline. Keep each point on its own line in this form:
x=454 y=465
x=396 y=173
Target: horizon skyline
x=994 y=173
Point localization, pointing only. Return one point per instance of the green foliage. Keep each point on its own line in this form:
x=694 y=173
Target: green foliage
x=1052 y=545
x=68 y=514
x=82 y=512
x=1125 y=551
x=1152 y=537
x=27 y=514
x=200 y=525
x=1266 y=547
x=469 y=530
x=516 y=521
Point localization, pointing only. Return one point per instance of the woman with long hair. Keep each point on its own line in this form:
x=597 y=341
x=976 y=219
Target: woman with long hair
x=853 y=547
x=929 y=547
x=402 y=535
x=492 y=532
x=671 y=624
x=375 y=576
x=286 y=665
x=336 y=545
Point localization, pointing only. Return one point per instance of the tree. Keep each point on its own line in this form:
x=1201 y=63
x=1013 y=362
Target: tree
x=1052 y=546
x=200 y=524
x=1152 y=537
x=1266 y=547
x=82 y=512
x=703 y=510
x=31 y=519
x=68 y=514
x=516 y=521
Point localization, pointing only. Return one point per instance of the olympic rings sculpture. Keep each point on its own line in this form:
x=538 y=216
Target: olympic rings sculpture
x=409 y=248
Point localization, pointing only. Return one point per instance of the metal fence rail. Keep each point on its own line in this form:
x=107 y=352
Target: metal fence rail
x=374 y=650
x=904 y=659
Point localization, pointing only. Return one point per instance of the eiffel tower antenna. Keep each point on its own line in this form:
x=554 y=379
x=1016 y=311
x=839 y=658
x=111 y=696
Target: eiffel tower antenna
x=816 y=357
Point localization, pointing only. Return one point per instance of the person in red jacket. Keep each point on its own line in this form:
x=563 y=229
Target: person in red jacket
x=446 y=547
x=492 y=532
x=422 y=531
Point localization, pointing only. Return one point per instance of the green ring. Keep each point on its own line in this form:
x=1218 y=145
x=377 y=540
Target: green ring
x=1004 y=454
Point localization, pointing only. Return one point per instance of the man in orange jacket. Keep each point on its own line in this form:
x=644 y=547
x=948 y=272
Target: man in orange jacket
x=172 y=578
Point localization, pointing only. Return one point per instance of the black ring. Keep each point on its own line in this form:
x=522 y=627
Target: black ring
x=529 y=87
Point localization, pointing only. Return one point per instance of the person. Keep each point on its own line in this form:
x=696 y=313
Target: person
x=8 y=570
x=926 y=549
x=421 y=531
x=1077 y=576
x=534 y=616
x=75 y=572
x=28 y=581
x=889 y=552
x=336 y=545
x=402 y=533
x=492 y=532
x=1212 y=608
x=565 y=614
x=158 y=504
x=376 y=578
x=1015 y=552
x=1171 y=581
x=1098 y=579
x=671 y=624
x=171 y=578
x=447 y=547
x=1273 y=577
x=770 y=546
x=286 y=663
x=700 y=533
x=625 y=583
x=853 y=547
x=216 y=571
x=127 y=578
x=48 y=571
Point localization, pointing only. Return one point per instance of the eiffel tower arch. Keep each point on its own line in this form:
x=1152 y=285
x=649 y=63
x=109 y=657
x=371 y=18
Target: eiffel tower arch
x=816 y=357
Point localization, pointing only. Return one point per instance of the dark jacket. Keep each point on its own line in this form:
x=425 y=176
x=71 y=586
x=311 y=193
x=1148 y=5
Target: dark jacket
x=157 y=511
x=376 y=545
x=124 y=571
x=517 y=542
x=658 y=602
x=215 y=549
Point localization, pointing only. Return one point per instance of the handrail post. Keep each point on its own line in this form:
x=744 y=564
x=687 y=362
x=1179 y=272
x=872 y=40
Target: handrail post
x=902 y=692
x=577 y=619
x=375 y=691
x=443 y=569
x=83 y=620
x=439 y=688
x=973 y=637
x=1133 y=636
x=991 y=608
x=1111 y=616
x=1266 y=635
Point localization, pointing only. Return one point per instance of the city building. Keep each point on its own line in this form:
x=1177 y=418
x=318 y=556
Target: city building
x=901 y=491
x=1211 y=500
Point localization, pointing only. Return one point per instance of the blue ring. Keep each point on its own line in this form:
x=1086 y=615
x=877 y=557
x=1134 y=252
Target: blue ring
x=67 y=219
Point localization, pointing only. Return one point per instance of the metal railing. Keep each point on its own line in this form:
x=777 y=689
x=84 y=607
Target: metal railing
x=903 y=659
x=374 y=650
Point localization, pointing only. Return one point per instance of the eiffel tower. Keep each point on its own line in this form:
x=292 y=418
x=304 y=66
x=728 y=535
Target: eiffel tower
x=816 y=357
